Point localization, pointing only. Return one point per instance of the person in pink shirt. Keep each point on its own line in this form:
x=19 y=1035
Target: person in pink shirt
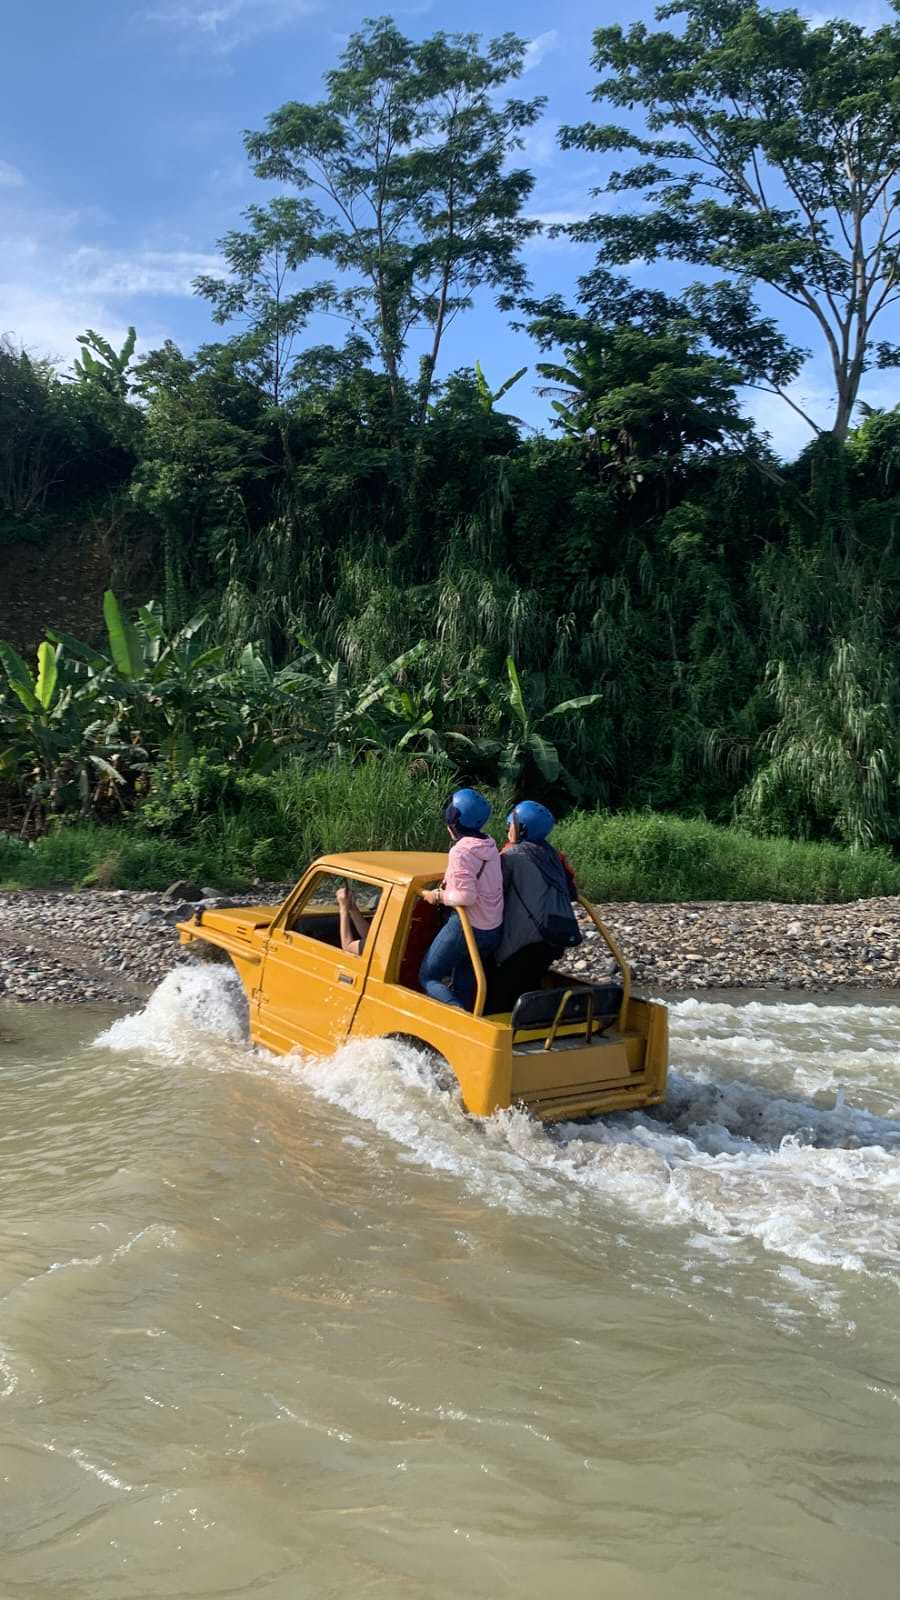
x=474 y=879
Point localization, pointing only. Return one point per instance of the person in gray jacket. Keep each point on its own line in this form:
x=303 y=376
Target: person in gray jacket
x=538 y=921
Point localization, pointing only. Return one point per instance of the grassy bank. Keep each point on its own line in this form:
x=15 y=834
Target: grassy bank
x=644 y=856
x=229 y=832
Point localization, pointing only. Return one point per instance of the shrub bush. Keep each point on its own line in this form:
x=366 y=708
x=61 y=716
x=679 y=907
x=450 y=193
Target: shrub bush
x=230 y=829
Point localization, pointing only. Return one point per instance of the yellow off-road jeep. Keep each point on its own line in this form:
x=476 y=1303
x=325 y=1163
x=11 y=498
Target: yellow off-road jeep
x=568 y=1049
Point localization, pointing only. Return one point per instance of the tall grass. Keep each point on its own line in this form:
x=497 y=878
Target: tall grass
x=642 y=856
x=273 y=826
x=88 y=855
x=229 y=833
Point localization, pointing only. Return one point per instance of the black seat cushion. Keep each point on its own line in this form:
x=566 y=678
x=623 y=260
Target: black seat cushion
x=538 y=1008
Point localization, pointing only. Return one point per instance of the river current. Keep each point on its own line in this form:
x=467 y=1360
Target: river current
x=284 y=1329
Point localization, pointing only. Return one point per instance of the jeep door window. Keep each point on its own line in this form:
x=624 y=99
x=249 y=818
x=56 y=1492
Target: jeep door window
x=318 y=914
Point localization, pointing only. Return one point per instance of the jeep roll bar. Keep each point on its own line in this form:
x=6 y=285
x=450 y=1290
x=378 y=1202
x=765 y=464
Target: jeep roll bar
x=611 y=944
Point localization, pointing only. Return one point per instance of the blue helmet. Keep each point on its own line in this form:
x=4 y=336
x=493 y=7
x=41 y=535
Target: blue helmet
x=533 y=820
x=467 y=809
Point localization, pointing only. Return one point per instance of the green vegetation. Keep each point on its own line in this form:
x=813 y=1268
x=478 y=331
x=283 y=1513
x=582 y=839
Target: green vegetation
x=230 y=832
x=231 y=829
x=772 y=159
x=645 y=857
x=373 y=579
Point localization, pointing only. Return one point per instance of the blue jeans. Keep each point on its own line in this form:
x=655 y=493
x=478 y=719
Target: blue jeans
x=447 y=957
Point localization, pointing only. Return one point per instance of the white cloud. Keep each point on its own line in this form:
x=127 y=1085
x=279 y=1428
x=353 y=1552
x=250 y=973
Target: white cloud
x=560 y=243
x=867 y=14
x=59 y=275
x=230 y=177
x=10 y=176
x=148 y=272
x=788 y=432
x=814 y=394
x=47 y=323
x=537 y=49
x=559 y=206
x=52 y=287
x=558 y=219
x=540 y=145
x=225 y=25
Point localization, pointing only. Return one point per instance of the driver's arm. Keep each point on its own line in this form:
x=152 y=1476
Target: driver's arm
x=349 y=913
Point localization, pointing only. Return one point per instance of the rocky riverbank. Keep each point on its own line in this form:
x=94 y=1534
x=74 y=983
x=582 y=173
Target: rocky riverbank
x=115 y=945
x=737 y=945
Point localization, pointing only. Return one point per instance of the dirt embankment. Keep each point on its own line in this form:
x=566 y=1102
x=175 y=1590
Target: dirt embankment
x=116 y=945
x=57 y=581
x=58 y=585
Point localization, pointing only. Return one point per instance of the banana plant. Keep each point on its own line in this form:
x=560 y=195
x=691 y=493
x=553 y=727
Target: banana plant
x=175 y=693
x=414 y=713
x=525 y=740
x=100 y=363
x=55 y=737
x=173 y=682
x=35 y=695
x=35 y=731
x=260 y=726
x=340 y=714
x=488 y=397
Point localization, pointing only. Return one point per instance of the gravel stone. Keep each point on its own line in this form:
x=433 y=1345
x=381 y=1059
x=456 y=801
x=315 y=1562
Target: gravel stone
x=752 y=945
x=115 y=945
x=96 y=945
x=179 y=912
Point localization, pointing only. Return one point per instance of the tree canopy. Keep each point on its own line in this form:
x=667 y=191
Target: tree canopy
x=771 y=154
x=402 y=186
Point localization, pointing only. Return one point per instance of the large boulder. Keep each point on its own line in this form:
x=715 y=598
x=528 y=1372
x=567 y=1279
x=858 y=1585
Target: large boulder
x=184 y=889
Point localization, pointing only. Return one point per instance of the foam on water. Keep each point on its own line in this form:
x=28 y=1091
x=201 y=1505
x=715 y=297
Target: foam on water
x=758 y=1142
x=189 y=1005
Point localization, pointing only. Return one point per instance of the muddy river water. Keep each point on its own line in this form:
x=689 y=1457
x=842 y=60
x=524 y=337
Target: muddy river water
x=283 y=1330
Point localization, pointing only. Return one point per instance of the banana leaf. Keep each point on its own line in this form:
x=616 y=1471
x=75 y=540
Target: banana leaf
x=382 y=681
x=47 y=674
x=107 y=768
x=546 y=757
x=79 y=651
x=20 y=679
x=123 y=640
x=516 y=696
x=580 y=702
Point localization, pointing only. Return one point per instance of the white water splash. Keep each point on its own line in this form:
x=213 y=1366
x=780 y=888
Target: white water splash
x=804 y=1048
x=191 y=1003
x=746 y=1149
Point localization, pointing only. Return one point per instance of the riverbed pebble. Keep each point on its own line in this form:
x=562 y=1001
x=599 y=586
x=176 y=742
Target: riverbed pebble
x=752 y=945
x=115 y=945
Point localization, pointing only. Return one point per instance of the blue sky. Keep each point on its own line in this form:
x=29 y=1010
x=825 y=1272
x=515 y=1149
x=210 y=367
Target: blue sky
x=121 y=161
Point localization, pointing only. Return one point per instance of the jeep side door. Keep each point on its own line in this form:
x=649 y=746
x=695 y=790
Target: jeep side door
x=310 y=987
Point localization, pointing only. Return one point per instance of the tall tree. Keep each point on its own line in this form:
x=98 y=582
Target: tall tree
x=403 y=186
x=262 y=292
x=641 y=394
x=772 y=153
